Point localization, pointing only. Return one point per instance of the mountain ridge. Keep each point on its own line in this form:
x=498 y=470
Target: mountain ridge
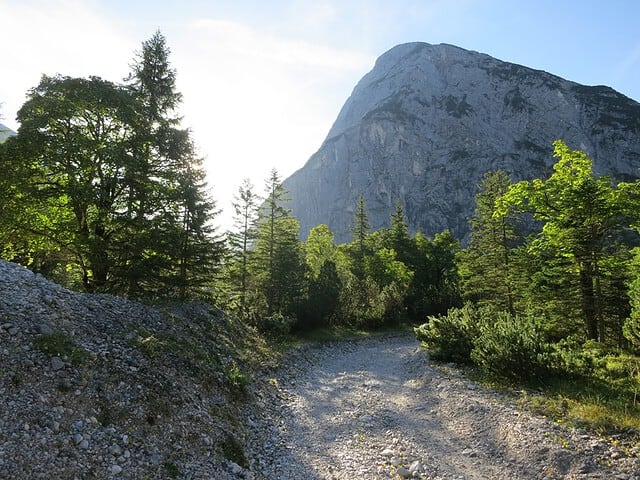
x=428 y=121
x=5 y=132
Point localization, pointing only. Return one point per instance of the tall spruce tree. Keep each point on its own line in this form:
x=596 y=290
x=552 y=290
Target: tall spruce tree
x=485 y=265
x=360 y=231
x=241 y=241
x=168 y=211
x=279 y=263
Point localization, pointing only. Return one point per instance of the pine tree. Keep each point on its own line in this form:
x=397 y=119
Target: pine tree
x=168 y=212
x=279 y=263
x=485 y=264
x=241 y=241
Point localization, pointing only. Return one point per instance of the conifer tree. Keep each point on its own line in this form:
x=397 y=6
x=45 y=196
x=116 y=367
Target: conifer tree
x=165 y=187
x=582 y=216
x=360 y=230
x=279 y=263
x=485 y=264
x=241 y=241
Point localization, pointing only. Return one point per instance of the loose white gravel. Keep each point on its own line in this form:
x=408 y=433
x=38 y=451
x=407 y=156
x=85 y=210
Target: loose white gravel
x=379 y=409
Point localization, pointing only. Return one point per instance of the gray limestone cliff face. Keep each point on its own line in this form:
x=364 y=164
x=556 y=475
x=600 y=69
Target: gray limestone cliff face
x=5 y=132
x=429 y=120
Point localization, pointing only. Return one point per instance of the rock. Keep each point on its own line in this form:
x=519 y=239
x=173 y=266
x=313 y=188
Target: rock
x=57 y=363
x=115 y=469
x=115 y=450
x=45 y=329
x=415 y=467
x=428 y=121
x=235 y=468
x=403 y=472
x=387 y=452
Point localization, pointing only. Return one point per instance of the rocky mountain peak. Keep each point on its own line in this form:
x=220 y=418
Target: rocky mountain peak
x=5 y=132
x=428 y=121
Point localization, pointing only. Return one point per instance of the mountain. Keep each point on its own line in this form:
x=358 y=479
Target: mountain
x=5 y=132
x=428 y=121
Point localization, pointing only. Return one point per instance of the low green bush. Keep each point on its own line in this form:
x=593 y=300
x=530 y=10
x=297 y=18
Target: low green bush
x=507 y=346
x=450 y=337
x=512 y=347
x=276 y=324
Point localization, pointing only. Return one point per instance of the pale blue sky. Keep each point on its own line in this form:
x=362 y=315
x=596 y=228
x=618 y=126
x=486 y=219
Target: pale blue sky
x=264 y=80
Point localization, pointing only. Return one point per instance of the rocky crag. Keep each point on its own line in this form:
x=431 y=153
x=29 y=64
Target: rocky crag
x=96 y=387
x=429 y=120
x=5 y=132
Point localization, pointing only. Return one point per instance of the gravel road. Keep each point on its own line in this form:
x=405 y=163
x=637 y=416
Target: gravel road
x=378 y=409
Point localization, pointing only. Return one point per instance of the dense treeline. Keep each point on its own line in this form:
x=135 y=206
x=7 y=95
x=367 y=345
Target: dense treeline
x=550 y=282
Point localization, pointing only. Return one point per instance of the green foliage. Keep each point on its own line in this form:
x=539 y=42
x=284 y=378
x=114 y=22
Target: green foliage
x=237 y=378
x=108 y=193
x=451 y=337
x=172 y=469
x=278 y=263
x=232 y=450
x=582 y=217
x=631 y=328
x=507 y=346
x=512 y=347
x=276 y=324
x=240 y=240
x=323 y=298
x=485 y=265
x=58 y=344
x=319 y=249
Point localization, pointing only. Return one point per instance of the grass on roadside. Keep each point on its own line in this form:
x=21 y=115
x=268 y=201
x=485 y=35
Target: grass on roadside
x=603 y=406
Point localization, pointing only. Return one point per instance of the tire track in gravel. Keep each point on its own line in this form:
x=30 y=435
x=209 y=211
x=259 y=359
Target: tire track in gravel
x=377 y=409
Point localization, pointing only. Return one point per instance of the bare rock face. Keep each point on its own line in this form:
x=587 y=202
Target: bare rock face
x=429 y=120
x=5 y=132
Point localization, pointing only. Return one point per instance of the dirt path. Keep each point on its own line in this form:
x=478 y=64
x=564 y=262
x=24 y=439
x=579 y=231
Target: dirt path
x=376 y=409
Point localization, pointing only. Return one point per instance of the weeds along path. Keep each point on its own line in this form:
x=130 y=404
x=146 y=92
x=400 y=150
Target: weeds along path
x=377 y=409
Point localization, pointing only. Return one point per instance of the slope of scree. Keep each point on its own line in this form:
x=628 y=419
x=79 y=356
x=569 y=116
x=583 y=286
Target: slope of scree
x=95 y=386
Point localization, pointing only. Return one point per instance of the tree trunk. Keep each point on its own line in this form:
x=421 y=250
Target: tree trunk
x=587 y=292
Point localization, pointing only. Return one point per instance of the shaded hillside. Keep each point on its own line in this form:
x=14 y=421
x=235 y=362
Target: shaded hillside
x=95 y=386
x=429 y=120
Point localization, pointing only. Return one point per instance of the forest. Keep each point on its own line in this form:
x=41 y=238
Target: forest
x=103 y=192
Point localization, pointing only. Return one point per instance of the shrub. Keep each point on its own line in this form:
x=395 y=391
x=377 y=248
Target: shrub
x=58 y=344
x=631 y=330
x=276 y=324
x=512 y=347
x=451 y=337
